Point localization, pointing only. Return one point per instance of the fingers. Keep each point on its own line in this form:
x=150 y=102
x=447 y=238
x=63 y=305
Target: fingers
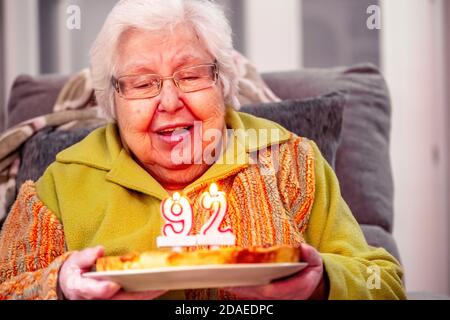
x=248 y=293
x=292 y=288
x=90 y=289
x=289 y=288
x=310 y=255
x=75 y=286
x=301 y=285
x=87 y=257
x=146 y=295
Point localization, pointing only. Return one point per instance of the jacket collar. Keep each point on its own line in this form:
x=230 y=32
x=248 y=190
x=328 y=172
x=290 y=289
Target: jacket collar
x=103 y=150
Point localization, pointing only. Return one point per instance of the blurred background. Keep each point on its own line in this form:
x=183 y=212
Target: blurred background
x=410 y=44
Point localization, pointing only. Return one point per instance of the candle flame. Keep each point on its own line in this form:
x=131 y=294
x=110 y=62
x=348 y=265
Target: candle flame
x=176 y=196
x=213 y=190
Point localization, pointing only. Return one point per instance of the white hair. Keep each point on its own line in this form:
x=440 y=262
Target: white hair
x=206 y=17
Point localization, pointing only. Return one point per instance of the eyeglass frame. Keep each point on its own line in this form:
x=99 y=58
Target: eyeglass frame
x=115 y=81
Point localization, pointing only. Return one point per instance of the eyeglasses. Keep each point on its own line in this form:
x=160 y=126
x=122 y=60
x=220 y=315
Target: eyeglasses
x=188 y=79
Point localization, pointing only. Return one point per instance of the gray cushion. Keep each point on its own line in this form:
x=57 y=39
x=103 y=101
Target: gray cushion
x=319 y=119
x=33 y=96
x=362 y=160
x=35 y=161
x=378 y=237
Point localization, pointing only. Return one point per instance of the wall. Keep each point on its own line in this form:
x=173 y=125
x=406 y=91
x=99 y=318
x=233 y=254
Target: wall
x=273 y=45
x=412 y=59
x=235 y=12
x=2 y=86
x=66 y=50
x=21 y=55
x=335 y=33
x=446 y=76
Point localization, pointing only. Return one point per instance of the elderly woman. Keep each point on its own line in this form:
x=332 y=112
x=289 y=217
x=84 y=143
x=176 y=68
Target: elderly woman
x=163 y=73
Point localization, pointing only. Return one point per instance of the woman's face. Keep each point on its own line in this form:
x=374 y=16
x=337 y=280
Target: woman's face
x=146 y=125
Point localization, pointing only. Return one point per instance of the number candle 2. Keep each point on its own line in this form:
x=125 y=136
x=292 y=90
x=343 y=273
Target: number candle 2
x=211 y=232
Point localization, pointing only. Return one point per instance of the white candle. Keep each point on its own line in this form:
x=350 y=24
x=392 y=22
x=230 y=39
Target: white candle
x=212 y=233
x=177 y=213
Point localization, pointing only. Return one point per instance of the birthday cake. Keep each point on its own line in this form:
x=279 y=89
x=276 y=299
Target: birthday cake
x=223 y=255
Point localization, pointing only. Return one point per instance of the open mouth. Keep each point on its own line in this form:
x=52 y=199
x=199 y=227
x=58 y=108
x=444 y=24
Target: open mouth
x=174 y=134
x=175 y=131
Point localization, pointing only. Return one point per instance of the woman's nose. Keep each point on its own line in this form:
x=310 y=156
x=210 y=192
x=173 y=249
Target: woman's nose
x=169 y=97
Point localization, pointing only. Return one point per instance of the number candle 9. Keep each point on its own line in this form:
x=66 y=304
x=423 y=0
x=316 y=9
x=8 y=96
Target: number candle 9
x=177 y=213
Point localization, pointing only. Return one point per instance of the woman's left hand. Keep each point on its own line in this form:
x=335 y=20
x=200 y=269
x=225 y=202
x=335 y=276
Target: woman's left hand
x=310 y=283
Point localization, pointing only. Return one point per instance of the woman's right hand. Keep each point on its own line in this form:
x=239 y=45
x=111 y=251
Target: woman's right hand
x=76 y=287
